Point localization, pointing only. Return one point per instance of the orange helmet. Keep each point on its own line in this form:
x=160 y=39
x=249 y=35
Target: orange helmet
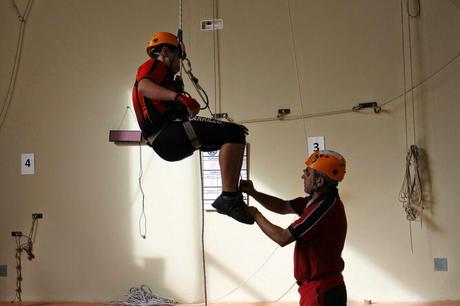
x=162 y=38
x=327 y=162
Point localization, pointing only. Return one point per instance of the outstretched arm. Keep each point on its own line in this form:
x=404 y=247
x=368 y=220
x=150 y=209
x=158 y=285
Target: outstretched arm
x=279 y=235
x=271 y=203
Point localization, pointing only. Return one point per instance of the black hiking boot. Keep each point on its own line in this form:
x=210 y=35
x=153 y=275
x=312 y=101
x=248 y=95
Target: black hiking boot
x=233 y=207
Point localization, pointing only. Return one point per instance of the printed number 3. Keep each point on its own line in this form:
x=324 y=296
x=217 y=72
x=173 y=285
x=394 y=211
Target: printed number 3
x=315 y=146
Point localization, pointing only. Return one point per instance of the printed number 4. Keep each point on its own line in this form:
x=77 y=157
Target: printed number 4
x=27 y=162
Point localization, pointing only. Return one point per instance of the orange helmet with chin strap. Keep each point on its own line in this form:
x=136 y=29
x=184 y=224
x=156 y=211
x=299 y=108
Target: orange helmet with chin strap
x=164 y=38
x=329 y=163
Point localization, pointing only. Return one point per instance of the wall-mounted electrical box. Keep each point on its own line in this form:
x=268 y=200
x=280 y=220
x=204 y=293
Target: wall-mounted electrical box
x=440 y=264
x=125 y=136
x=209 y=25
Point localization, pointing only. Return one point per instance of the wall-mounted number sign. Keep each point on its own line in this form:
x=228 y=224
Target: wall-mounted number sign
x=27 y=163
x=315 y=144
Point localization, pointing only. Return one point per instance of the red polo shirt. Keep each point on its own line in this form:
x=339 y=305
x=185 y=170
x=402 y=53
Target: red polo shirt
x=320 y=236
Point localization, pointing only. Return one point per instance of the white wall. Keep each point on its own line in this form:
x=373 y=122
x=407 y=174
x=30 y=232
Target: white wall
x=77 y=68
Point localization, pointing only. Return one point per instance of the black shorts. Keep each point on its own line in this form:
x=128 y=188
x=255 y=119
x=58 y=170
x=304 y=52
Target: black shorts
x=173 y=144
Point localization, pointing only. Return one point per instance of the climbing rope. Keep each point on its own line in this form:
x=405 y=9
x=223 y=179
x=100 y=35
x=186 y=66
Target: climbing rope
x=17 y=59
x=204 y=97
x=410 y=194
x=187 y=67
x=143 y=217
x=411 y=189
x=294 y=52
x=143 y=296
x=27 y=247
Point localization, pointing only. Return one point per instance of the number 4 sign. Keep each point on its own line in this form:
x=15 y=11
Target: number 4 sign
x=27 y=163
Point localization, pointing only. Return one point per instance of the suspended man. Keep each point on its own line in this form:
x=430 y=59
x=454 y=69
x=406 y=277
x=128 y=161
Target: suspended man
x=167 y=118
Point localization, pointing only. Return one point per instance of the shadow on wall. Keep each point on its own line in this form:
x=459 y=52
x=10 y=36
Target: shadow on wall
x=211 y=260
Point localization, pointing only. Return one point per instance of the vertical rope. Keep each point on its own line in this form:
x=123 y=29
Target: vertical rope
x=411 y=73
x=404 y=74
x=180 y=30
x=299 y=88
x=17 y=60
x=203 y=257
x=215 y=57
x=142 y=217
x=18 y=271
x=411 y=190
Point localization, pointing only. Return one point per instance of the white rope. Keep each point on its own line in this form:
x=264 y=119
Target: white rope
x=215 y=41
x=204 y=97
x=417 y=14
x=142 y=217
x=180 y=31
x=299 y=87
x=410 y=194
x=143 y=296
x=411 y=189
x=17 y=59
x=203 y=253
x=250 y=277
x=404 y=73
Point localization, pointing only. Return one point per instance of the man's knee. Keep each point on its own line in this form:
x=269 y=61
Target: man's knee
x=235 y=133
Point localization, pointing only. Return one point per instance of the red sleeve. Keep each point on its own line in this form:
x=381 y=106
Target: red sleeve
x=152 y=69
x=298 y=204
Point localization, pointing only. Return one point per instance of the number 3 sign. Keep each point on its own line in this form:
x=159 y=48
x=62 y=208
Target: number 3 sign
x=27 y=163
x=315 y=144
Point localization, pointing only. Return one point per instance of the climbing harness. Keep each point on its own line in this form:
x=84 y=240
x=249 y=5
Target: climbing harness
x=190 y=131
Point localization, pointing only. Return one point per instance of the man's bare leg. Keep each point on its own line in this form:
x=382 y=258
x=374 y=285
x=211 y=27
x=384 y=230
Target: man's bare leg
x=231 y=159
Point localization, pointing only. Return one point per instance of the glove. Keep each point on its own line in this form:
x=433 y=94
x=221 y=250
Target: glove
x=191 y=104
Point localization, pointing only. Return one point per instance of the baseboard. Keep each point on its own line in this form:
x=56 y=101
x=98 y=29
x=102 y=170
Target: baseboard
x=432 y=303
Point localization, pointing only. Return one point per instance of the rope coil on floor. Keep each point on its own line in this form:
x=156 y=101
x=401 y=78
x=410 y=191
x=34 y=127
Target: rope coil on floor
x=143 y=296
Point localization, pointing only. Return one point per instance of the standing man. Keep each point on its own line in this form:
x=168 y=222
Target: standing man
x=319 y=232
x=167 y=118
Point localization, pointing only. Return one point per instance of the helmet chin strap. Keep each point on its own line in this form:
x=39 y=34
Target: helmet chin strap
x=168 y=62
x=314 y=188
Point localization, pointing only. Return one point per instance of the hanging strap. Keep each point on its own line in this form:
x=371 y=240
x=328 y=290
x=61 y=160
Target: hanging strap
x=191 y=134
